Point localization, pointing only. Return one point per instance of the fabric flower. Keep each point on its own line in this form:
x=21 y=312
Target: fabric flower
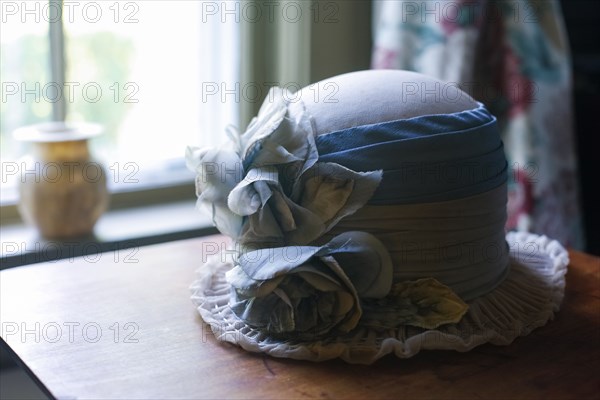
x=272 y=189
x=315 y=202
x=218 y=171
x=303 y=292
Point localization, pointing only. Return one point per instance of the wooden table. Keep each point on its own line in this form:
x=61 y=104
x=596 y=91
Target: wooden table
x=121 y=325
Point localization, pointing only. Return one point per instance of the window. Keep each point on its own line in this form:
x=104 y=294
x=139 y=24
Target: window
x=139 y=68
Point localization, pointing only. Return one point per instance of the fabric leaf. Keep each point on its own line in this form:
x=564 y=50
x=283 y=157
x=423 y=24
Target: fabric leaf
x=425 y=303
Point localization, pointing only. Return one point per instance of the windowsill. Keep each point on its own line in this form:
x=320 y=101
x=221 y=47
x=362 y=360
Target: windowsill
x=120 y=231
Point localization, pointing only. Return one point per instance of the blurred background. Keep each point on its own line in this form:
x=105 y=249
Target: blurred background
x=161 y=75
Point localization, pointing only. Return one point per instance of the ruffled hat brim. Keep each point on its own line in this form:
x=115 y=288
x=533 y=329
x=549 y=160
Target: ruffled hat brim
x=527 y=299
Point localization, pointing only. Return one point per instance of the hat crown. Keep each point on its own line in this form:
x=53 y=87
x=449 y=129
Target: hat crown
x=376 y=96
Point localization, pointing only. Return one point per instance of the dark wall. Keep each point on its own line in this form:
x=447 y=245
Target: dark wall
x=582 y=18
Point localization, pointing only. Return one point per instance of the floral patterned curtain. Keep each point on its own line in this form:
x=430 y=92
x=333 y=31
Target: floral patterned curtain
x=513 y=56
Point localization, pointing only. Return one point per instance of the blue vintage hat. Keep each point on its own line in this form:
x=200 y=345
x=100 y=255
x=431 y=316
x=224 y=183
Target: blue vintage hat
x=357 y=234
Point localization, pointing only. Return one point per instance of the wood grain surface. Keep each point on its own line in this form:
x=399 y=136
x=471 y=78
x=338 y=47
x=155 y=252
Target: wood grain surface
x=122 y=326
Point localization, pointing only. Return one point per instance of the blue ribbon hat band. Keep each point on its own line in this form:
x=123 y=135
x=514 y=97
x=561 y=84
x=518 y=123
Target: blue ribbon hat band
x=424 y=159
